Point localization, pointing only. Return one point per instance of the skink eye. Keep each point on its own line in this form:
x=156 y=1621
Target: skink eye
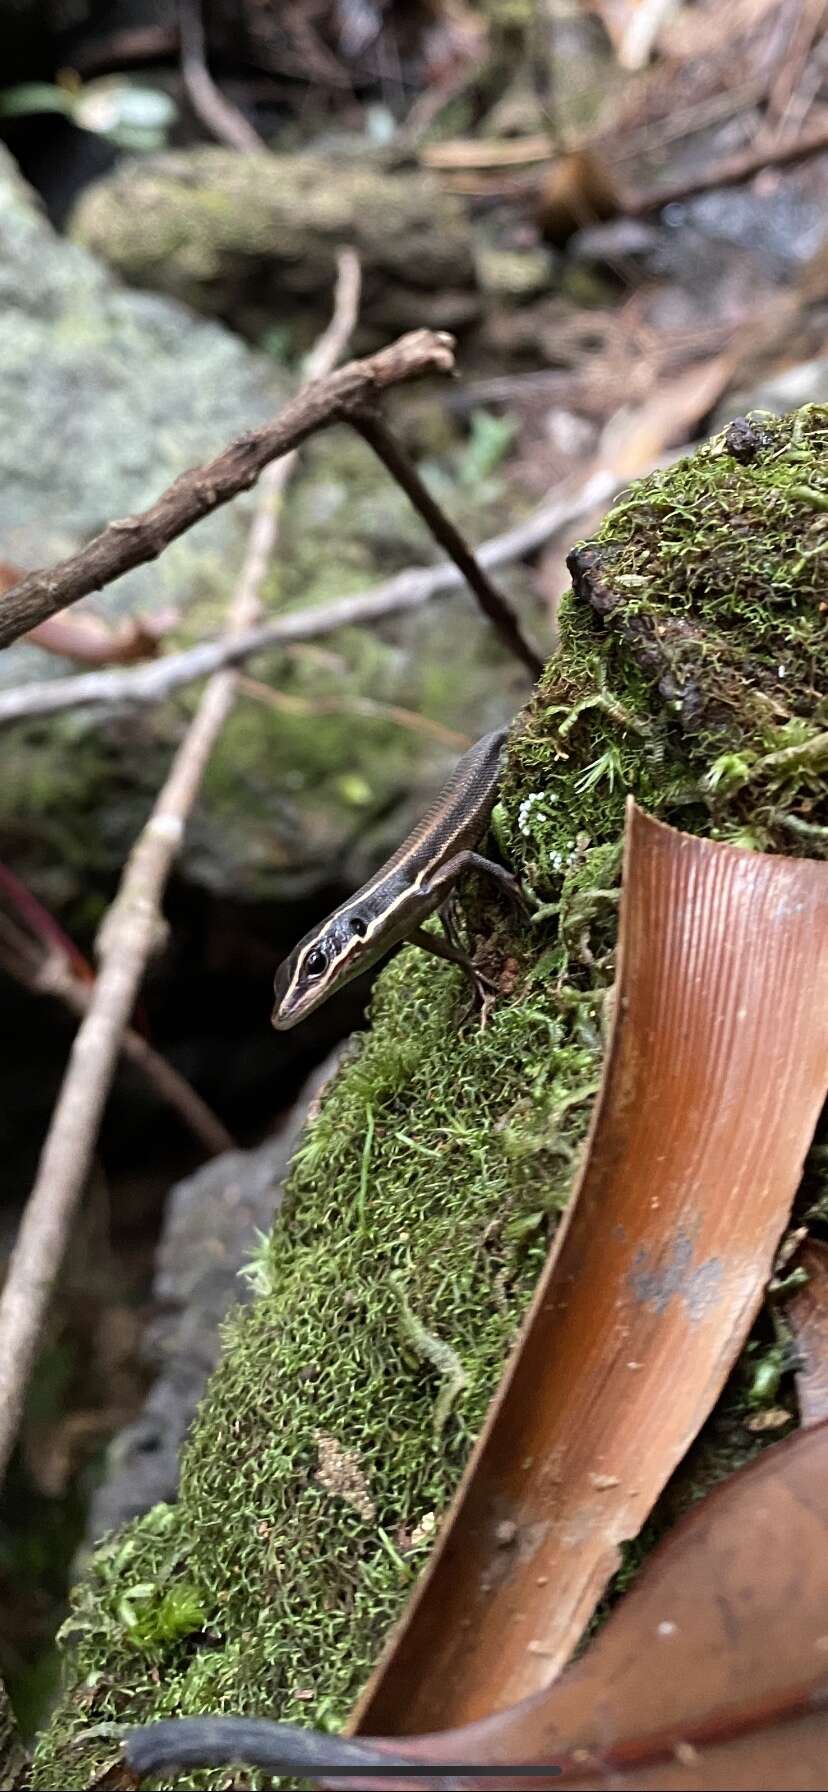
x=358 y=926
x=316 y=962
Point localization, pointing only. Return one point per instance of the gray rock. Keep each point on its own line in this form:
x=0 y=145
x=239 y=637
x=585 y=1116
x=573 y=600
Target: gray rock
x=213 y=1223
x=105 y=396
x=781 y=229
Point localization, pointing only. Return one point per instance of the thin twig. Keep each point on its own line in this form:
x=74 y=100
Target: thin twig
x=221 y=118
x=353 y=706
x=124 y=945
x=730 y=172
x=54 y=978
x=133 y=47
x=133 y=540
x=409 y=590
x=46 y=969
x=393 y=456
x=807 y=26
x=640 y=202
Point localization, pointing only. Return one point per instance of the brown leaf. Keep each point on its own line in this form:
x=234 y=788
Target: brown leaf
x=716 y=1073
x=90 y=641
x=578 y=189
x=807 y=1315
x=683 y=1688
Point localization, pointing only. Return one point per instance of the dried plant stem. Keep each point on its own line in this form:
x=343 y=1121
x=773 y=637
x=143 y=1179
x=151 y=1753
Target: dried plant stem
x=409 y=590
x=731 y=171
x=48 y=970
x=222 y=119
x=125 y=943
x=393 y=456
x=56 y=979
x=133 y=540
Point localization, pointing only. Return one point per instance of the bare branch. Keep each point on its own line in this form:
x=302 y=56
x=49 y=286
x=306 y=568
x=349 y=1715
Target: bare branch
x=393 y=456
x=125 y=942
x=133 y=540
x=408 y=590
x=730 y=172
x=55 y=978
x=222 y=119
x=46 y=968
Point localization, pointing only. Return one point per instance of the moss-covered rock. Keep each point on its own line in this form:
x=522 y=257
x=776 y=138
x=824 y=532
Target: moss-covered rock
x=254 y=238
x=692 y=673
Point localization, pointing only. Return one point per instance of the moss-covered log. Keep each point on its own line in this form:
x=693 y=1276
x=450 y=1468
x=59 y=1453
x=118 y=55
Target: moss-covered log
x=254 y=238
x=692 y=673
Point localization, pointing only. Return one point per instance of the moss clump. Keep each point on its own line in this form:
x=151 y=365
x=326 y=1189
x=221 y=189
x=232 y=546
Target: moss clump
x=397 y=1238
x=423 y=1196
x=693 y=670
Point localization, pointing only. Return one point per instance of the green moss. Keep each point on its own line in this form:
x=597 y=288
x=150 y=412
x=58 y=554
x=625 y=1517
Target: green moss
x=415 y=1246
x=693 y=668
x=72 y=798
x=424 y=1194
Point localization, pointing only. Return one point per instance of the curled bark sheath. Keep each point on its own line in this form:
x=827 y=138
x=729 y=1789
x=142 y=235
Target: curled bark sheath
x=721 y=1012
x=393 y=456
x=133 y=540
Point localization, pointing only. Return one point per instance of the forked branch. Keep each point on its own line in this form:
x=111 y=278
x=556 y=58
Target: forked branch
x=133 y=540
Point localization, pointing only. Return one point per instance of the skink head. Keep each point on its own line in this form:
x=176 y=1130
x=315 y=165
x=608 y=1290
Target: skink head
x=327 y=957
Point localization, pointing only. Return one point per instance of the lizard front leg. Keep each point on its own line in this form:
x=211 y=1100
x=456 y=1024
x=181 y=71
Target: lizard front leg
x=444 y=880
x=431 y=942
x=446 y=877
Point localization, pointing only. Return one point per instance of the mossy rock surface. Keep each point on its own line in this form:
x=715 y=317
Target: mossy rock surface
x=254 y=238
x=422 y=1199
